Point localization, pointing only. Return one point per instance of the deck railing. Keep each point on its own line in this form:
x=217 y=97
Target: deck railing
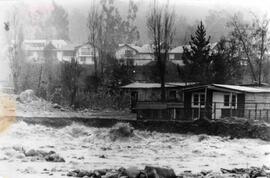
x=215 y=110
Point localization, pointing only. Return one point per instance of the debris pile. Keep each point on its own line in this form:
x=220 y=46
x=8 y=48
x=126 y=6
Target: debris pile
x=28 y=102
x=158 y=172
x=132 y=172
x=27 y=96
x=50 y=156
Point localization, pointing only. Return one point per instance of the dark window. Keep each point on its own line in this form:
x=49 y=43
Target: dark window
x=83 y=59
x=130 y=62
x=226 y=100
x=128 y=53
x=196 y=99
x=172 y=95
x=134 y=95
x=202 y=99
x=233 y=100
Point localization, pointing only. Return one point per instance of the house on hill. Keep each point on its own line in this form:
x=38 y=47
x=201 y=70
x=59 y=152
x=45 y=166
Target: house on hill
x=67 y=52
x=85 y=54
x=34 y=49
x=175 y=55
x=216 y=101
x=62 y=51
x=130 y=54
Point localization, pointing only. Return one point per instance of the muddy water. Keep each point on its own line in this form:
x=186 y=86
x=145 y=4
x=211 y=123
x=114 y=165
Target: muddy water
x=91 y=148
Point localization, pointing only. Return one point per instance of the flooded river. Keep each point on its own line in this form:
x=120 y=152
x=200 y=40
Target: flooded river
x=91 y=148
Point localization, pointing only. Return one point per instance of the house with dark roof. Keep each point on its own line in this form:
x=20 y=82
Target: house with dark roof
x=217 y=101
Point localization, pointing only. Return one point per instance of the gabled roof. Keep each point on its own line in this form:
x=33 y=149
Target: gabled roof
x=230 y=88
x=146 y=49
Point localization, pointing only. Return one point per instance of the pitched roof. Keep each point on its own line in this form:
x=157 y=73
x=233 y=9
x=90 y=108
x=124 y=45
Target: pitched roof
x=147 y=85
x=245 y=89
x=178 y=49
x=233 y=88
x=140 y=49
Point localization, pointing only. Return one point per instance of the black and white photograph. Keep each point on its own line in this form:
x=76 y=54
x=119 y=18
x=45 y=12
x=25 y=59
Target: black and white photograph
x=135 y=88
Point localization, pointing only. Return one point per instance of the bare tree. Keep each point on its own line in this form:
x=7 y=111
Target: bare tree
x=260 y=33
x=160 y=24
x=15 y=52
x=94 y=27
x=253 y=40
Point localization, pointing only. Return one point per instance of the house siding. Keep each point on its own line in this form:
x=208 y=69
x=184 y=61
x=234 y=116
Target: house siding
x=257 y=105
x=218 y=99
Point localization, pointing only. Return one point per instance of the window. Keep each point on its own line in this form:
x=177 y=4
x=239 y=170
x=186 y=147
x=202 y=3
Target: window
x=226 y=100
x=130 y=62
x=172 y=95
x=202 y=99
x=128 y=53
x=196 y=99
x=83 y=59
x=230 y=100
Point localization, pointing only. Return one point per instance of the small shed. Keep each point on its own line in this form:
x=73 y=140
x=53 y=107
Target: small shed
x=217 y=100
x=146 y=100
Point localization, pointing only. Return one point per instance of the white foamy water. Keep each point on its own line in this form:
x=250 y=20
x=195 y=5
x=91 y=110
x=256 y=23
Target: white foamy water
x=83 y=148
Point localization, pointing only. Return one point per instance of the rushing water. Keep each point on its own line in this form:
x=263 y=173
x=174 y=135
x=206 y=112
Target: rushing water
x=91 y=148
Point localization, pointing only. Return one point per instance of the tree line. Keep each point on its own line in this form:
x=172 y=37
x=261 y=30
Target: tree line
x=242 y=52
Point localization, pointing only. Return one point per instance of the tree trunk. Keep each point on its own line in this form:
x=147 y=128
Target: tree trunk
x=162 y=66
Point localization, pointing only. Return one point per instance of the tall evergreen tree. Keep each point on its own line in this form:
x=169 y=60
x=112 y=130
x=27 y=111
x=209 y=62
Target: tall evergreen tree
x=196 y=57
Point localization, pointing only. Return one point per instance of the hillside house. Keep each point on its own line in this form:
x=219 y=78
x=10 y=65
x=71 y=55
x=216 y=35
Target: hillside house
x=130 y=54
x=146 y=100
x=67 y=52
x=175 y=55
x=85 y=54
x=34 y=49
x=216 y=101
